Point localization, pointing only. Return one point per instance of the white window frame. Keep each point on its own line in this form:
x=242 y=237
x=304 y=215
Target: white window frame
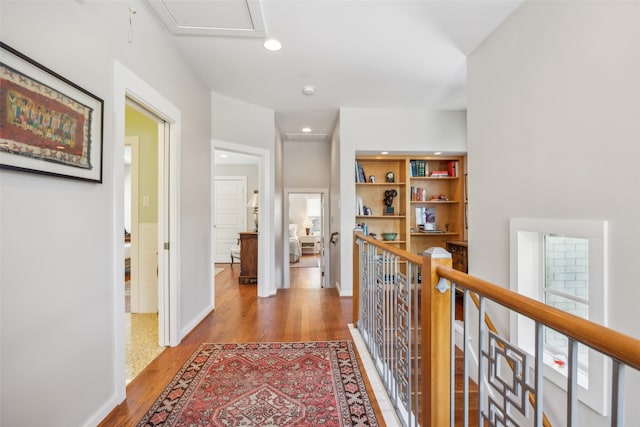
x=527 y=271
x=314 y=213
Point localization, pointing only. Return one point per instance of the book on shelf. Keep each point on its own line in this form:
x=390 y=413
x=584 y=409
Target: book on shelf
x=453 y=168
x=359 y=206
x=418 y=168
x=418 y=194
x=360 y=176
x=439 y=174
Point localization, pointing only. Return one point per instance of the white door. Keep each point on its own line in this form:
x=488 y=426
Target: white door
x=230 y=218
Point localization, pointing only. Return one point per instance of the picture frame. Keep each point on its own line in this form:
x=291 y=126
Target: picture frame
x=48 y=124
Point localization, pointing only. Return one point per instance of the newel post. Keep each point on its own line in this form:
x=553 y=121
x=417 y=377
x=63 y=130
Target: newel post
x=436 y=339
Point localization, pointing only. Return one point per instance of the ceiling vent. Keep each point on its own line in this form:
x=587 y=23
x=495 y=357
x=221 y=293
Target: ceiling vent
x=306 y=137
x=236 y=18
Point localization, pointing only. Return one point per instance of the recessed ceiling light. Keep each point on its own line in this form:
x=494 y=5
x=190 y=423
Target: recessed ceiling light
x=224 y=156
x=384 y=152
x=306 y=130
x=272 y=44
x=437 y=153
x=308 y=90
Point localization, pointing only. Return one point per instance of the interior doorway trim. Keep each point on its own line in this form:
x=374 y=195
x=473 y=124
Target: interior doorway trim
x=134 y=143
x=128 y=85
x=266 y=230
x=325 y=231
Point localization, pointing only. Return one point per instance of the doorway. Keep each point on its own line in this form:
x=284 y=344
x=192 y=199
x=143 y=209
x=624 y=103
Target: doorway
x=128 y=86
x=305 y=216
x=142 y=213
x=261 y=160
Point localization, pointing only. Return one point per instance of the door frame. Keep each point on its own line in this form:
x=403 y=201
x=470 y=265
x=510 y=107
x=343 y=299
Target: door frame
x=133 y=142
x=266 y=234
x=128 y=85
x=325 y=232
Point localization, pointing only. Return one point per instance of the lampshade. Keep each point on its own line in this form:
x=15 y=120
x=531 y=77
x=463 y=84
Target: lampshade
x=253 y=203
x=253 y=200
x=307 y=223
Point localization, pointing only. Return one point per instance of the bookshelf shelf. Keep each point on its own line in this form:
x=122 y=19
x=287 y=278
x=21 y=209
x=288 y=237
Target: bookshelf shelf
x=381 y=216
x=433 y=178
x=380 y=184
x=434 y=202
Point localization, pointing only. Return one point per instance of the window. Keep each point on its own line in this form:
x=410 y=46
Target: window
x=565 y=286
x=314 y=211
x=563 y=263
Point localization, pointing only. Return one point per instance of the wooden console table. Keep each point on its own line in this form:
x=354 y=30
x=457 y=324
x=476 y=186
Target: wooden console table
x=248 y=257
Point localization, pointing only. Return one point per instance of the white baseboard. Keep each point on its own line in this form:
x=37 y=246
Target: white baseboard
x=382 y=398
x=196 y=320
x=102 y=413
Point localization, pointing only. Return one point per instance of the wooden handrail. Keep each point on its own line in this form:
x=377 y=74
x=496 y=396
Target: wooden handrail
x=617 y=345
x=414 y=258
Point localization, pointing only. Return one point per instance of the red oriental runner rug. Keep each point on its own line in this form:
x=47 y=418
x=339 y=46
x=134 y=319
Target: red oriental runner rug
x=266 y=384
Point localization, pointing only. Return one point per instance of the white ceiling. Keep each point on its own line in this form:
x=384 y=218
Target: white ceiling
x=356 y=53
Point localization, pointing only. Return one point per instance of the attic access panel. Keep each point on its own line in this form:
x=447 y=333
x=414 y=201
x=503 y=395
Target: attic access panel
x=238 y=18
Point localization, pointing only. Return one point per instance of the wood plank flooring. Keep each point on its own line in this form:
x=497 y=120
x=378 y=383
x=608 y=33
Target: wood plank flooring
x=297 y=314
x=305 y=277
x=305 y=312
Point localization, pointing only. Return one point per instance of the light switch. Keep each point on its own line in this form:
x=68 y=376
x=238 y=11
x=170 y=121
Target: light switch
x=145 y=201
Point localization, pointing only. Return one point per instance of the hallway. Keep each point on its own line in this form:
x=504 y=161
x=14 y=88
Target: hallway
x=296 y=314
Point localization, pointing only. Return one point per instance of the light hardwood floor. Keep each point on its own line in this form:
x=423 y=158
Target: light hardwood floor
x=302 y=313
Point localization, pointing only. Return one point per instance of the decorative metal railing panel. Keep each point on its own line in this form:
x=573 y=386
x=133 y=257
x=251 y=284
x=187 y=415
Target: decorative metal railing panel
x=508 y=377
x=402 y=326
x=387 y=323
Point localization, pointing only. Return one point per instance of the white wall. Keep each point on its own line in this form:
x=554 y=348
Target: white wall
x=281 y=238
x=390 y=130
x=248 y=128
x=306 y=164
x=553 y=133
x=237 y=121
x=58 y=235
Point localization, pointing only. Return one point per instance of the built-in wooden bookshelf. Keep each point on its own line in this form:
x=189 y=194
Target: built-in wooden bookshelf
x=424 y=184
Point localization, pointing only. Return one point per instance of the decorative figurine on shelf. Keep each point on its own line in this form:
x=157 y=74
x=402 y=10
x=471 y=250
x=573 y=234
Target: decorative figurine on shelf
x=388 y=201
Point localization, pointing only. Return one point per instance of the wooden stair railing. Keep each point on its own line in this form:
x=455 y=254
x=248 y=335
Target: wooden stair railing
x=435 y=360
x=620 y=347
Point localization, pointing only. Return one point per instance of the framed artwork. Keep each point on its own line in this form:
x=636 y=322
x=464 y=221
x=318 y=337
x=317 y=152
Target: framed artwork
x=48 y=125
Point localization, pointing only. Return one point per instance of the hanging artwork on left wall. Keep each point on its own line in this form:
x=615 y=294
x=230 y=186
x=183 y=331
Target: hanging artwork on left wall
x=48 y=124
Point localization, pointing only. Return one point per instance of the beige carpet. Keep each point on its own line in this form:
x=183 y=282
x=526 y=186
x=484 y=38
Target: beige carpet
x=142 y=342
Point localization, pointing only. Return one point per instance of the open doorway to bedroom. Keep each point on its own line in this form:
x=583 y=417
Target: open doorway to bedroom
x=306 y=229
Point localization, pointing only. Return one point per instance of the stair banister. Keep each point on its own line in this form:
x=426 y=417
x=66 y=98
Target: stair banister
x=436 y=340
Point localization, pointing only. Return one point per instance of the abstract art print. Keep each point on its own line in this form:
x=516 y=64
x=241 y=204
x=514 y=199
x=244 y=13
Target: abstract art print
x=48 y=125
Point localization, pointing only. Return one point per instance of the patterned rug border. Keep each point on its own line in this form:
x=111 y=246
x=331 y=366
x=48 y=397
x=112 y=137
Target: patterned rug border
x=169 y=405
